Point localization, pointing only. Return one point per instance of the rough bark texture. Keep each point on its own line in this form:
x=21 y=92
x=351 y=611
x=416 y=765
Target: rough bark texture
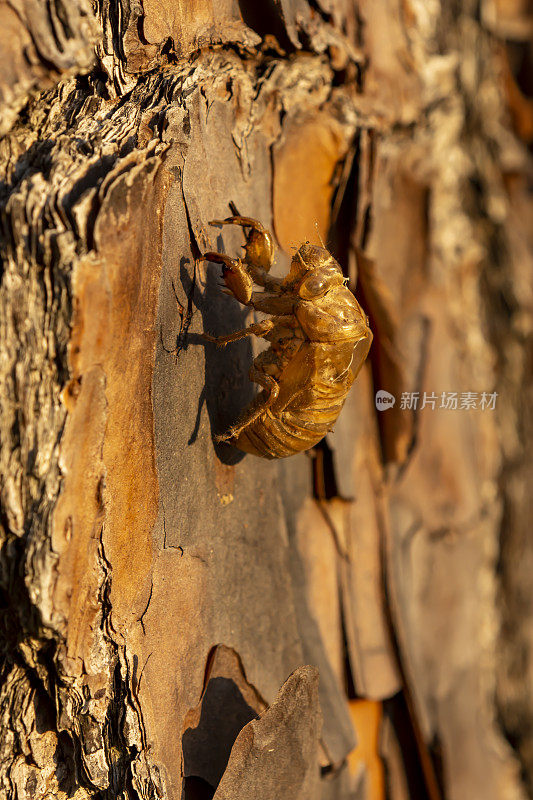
x=182 y=621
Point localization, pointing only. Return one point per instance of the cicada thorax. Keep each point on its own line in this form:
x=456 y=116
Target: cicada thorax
x=335 y=317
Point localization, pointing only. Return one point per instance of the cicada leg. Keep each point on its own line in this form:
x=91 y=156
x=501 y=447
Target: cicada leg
x=259 y=248
x=256 y=329
x=236 y=276
x=262 y=402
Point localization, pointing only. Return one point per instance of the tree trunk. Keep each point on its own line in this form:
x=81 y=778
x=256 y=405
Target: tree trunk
x=180 y=620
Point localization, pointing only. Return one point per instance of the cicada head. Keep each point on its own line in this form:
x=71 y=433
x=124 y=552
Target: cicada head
x=308 y=257
x=313 y=272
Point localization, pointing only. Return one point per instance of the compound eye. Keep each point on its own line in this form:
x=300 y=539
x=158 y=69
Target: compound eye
x=314 y=286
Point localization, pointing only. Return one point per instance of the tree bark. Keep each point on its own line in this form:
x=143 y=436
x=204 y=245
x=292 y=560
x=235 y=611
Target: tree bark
x=180 y=620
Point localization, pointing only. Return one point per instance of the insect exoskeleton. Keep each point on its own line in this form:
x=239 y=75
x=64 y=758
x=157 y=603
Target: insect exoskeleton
x=319 y=339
